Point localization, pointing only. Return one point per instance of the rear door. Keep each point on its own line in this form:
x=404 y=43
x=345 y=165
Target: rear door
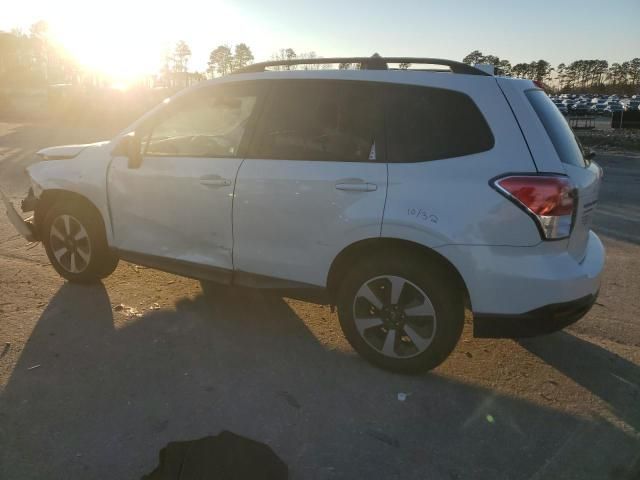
x=314 y=181
x=556 y=149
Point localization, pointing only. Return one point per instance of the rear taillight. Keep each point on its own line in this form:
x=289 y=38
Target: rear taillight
x=549 y=200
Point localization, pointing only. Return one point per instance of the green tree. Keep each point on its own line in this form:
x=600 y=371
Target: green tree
x=220 y=60
x=541 y=70
x=473 y=58
x=503 y=66
x=634 y=72
x=520 y=70
x=242 y=56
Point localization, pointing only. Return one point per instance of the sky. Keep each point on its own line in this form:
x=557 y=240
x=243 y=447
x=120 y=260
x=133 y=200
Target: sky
x=130 y=35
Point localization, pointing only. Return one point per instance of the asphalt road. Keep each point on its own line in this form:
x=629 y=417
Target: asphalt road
x=91 y=390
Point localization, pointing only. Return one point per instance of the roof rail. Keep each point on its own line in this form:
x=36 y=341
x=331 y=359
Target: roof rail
x=366 y=63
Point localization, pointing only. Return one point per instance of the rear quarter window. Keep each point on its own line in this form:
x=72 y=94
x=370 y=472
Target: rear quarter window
x=558 y=130
x=425 y=123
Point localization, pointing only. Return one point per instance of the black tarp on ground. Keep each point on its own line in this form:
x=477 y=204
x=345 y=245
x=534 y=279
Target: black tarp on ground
x=226 y=456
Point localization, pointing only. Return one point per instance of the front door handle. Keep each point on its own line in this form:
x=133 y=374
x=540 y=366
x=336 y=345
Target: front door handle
x=357 y=187
x=215 y=181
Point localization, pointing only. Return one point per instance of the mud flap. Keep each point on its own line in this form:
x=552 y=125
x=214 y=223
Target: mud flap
x=23 y=228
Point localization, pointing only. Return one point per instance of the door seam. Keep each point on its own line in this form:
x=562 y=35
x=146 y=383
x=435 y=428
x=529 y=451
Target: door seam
x=386 y=194
x=233 y=205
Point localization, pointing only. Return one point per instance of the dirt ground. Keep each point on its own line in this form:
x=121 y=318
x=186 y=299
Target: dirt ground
x=90 y=390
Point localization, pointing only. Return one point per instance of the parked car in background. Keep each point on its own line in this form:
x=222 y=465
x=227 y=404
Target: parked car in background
x=563 y=108
x=580 y=108
x=613 y=107
x=597 y=109
x=632 y=105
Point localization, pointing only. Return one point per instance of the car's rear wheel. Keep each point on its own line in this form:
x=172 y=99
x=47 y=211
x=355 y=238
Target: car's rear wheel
x=400 y=314
x=75 y=241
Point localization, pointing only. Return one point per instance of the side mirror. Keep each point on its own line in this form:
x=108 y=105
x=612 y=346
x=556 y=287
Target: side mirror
x=133 y=151
x=129 y=147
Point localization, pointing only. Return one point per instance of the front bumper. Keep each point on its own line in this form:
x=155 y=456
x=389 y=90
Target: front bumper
x=22 y=226
x=541 y=321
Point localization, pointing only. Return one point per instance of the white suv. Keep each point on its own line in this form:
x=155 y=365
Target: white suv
x=405 y=194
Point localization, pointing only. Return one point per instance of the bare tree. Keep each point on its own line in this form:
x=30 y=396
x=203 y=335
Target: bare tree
x=181 y=56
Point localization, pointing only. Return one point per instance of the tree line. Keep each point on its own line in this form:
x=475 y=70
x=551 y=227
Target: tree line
x=31 y=58
x=595 y=76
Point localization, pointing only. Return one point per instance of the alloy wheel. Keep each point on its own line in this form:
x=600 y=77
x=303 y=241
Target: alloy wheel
x=394 y=316
x=70 y=243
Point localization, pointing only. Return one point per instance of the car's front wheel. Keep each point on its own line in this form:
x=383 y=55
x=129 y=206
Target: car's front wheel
x=401 y=314
x=75 y=241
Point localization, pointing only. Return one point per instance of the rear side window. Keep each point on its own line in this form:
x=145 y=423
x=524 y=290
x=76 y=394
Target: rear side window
x=321 y=120
x=425 y=123
x=560 y=134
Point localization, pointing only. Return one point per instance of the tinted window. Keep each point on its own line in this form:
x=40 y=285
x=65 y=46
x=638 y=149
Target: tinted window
x=426 y=123
x=207 y=125
x=560 y=134
x=311 y=120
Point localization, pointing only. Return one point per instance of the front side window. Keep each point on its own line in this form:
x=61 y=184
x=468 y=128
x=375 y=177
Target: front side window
x=207 y=125
x=325 y=121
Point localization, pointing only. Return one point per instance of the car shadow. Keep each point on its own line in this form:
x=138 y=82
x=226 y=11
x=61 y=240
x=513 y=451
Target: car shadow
x=606 y=375
x=96 y=394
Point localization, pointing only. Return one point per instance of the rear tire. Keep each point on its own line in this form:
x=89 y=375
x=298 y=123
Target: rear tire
x=74 y=238
x=401 y=314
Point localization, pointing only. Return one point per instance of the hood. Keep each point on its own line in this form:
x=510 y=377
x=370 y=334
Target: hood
x=65 y=152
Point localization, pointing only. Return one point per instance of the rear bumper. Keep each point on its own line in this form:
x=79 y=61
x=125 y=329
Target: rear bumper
x=542 y=285
x=541 y=321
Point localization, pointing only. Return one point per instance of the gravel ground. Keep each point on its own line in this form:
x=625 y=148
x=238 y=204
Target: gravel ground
x=92 y=390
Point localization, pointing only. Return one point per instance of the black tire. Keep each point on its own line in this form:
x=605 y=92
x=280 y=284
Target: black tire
x=93 y=260
x=446 y=301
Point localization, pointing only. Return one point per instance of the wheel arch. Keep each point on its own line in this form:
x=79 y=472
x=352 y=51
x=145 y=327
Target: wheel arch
x=374 y=246
x=50 y=197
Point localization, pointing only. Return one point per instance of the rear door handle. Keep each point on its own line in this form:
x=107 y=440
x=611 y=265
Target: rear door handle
x=357 y=187
x=215 y=181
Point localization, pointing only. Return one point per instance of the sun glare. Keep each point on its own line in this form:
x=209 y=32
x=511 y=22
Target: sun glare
x=112 y=45
x=128 y=40
x=123 y=41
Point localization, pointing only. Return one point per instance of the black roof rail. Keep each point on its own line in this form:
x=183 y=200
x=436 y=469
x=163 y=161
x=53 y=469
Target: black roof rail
x=366 y=63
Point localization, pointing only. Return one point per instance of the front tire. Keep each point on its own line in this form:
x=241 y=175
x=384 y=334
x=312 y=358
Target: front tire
x=74 y=238
x=401 y=314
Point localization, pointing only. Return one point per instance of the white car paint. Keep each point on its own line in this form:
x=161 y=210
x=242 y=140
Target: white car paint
x=178 y=208
x=514 y=280
x=292 y=218
x=85 y=175
x=65 y=151
x=443 y=202
x=288 y=220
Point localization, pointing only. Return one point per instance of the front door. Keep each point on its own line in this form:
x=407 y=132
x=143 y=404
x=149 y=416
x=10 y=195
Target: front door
x=177 y=205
